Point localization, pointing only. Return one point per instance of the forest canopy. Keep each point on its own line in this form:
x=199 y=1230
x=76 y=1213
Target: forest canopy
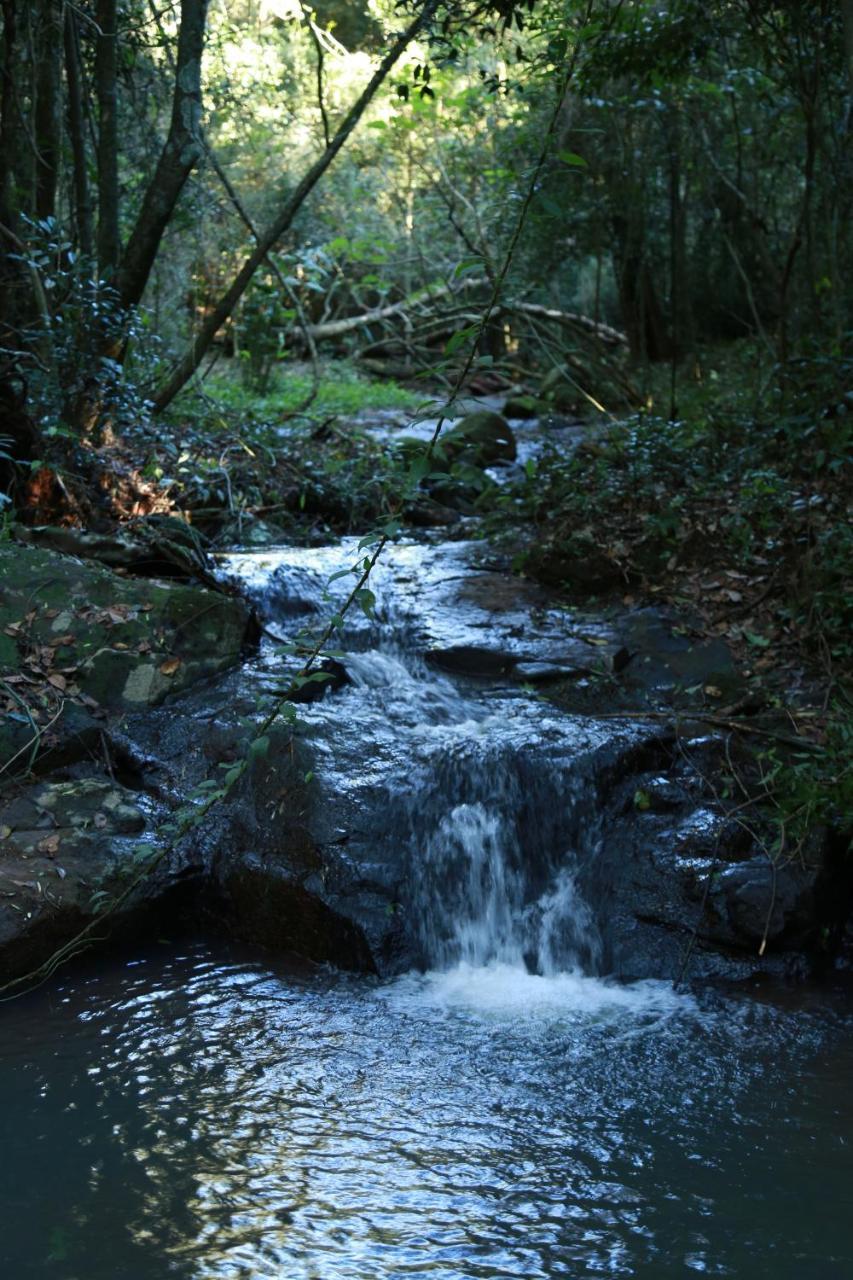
x=698 y=187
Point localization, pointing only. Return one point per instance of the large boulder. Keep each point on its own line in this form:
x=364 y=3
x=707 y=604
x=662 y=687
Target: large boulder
x=81 y=629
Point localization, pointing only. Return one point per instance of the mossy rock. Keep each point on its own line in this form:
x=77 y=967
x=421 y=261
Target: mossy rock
x=525 y=407
x=480 y=439
x=560 y=392
x=123 y=642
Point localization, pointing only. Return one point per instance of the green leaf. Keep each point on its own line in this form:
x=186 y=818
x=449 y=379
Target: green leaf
x=467 y=266
x=456 y=340
x=417 y=470
x=259 y=747
x=572 y=157
x=367 y=601
x=642 y=800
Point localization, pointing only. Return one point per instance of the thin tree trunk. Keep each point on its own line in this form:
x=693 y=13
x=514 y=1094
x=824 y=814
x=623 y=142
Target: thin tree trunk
x=8 y=127
x=847 y=8
x=77 y=135
x=268 y=238
x=106 y=63
x=181 y=151
x=47 y=118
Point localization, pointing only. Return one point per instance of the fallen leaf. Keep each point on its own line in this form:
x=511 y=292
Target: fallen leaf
x=170 y=666
x=712 y=691
x=58 y=681
x=49 y=845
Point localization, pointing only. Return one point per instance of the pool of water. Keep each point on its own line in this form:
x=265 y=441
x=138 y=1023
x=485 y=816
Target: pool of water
x=198 y=1113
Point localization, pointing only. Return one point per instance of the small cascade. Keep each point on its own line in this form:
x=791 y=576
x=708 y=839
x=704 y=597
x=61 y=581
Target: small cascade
x=473 y=801
x=486 y=891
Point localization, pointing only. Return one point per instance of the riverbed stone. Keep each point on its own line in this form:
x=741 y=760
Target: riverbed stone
x=524 y=407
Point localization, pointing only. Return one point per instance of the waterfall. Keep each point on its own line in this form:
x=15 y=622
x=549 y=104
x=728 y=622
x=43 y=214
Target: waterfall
x=487 y=888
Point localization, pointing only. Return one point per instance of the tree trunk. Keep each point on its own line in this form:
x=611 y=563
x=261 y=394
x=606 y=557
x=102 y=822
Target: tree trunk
x=847 y=14
x=180 y=153
x=642 y=315
x=77 y=135
x=268 y=238
x=106 y=63
x=47 y=114
x=8 y=118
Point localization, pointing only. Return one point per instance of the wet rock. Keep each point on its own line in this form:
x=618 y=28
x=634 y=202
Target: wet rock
x=65 y=848
x=467 y=660
x=753 y=900
x=267 y=907
x=428 y=514
x=544 y=672
x=666 y=655
x=659 y=795
x=155 y=546
x=316 y=847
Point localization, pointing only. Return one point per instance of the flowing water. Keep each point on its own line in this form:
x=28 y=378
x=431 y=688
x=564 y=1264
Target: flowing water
x=504 y=1109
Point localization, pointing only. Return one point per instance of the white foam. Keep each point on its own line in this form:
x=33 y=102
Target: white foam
x=510 y=992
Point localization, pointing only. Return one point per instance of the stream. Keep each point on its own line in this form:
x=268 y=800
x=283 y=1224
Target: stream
x=499 y=1100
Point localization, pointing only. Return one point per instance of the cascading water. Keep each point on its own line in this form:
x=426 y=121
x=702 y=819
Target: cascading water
x=483 y=894
x=488 y=812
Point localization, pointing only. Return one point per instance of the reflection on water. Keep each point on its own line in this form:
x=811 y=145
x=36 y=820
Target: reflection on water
x=201 y=1116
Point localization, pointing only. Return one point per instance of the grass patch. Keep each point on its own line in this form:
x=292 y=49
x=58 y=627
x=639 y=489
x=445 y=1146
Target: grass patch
x=343 y=389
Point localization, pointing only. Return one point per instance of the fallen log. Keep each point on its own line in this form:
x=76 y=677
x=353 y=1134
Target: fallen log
x=568 y=319
x=603 y=333
x=431 y=293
